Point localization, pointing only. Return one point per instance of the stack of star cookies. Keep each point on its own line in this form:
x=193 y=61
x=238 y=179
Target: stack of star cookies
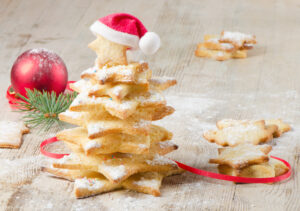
x=228 y=45
x=247 y=160
x=243 y=156
x=115 y=144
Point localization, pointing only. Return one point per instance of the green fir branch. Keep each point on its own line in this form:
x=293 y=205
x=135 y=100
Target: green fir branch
x=41 y=109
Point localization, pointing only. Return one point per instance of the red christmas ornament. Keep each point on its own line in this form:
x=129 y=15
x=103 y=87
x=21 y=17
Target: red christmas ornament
x=39 y=69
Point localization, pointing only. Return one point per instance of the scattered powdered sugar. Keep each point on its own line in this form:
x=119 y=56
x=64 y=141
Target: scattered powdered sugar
x=90 y=184
x=94 y=88
x=41 y=50
x=143 y=146
x=142 y=124
x=241 y=153
x=236 y=37
x=67 y=159
x=160 y=160
x=91 y=145
x=116 y=90
x=161 y=80
x=19 y=171
x=115 y=172
x=152 y=183
x=72 y=114
x=154 y=97
x=125 y=105
x=83 y=98
x=82 y=84
x=46 y=57
x=226 y=46
x=106 y=72
x=11 y=132
x=237 y=133
x=96 y=127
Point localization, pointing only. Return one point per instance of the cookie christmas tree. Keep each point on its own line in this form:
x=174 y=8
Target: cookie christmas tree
x=115 y=144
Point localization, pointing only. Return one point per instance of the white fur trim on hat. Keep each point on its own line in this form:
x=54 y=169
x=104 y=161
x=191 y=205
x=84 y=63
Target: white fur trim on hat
x=115 y=36
x=149 y=43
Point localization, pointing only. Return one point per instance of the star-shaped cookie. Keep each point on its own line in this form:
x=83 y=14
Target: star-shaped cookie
x=281 y=126
x=242 y=155
x=273 y=168
x=253 y=132
x=108 y=52
x=11 y=134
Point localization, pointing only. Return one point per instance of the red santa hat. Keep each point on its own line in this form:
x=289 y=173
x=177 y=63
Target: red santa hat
x=126 y=29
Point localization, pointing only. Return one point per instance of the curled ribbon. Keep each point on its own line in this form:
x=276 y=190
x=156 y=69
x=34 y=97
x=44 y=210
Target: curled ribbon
x=194 y=170
x=13 y=98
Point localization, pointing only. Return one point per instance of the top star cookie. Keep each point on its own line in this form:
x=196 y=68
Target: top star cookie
x=243 y=155
x=253 y=132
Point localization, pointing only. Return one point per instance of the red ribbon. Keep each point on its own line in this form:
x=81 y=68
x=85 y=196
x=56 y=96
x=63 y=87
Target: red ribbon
x=50 y=154
x=13 y=99
x=194 y=170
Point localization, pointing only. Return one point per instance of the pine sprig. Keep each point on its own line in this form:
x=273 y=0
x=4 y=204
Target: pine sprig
x=42 y=108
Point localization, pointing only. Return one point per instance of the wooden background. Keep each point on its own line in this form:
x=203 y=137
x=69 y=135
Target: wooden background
x=265 y=85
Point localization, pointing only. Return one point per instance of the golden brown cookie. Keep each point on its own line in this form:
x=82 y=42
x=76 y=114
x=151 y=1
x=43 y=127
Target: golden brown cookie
x=272 y=168
x=237 y=39
x=242 y=155
x=270 y=124
x=11 y=134
x=108 y=52
x=254 y=132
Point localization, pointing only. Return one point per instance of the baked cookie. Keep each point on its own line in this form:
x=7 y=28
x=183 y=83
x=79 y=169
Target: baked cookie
x=242 y=155
x=237 y=39
x=11 y=134
x=281 y=126
x=219 y=55
x=229 y=45
x=117 y=142
x=254 y=132
x=272 y=168
x=108 y=53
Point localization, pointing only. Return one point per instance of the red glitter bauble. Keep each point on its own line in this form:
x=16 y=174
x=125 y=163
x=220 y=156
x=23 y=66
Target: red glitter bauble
x=39 y=69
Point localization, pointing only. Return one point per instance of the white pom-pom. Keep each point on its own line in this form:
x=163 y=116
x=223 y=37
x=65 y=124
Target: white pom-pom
x=149 y=43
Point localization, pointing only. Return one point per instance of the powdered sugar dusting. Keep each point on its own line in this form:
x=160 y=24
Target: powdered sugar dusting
x=122 y=70
x=242 y=153
x=72 y=114
x=96 y=127
x=152 y=183
x=115 y=172
x=237 y=37
x=153 y=98
x=142 y=124
x=83 y=98
x=91 y=145
x=143 y=146
x=89 y=184
x=19 y=171
x=82 y=84
x=160 y=160
x=68 y=158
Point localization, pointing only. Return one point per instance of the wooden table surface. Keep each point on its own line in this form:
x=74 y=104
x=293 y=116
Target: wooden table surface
x=265 y=85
